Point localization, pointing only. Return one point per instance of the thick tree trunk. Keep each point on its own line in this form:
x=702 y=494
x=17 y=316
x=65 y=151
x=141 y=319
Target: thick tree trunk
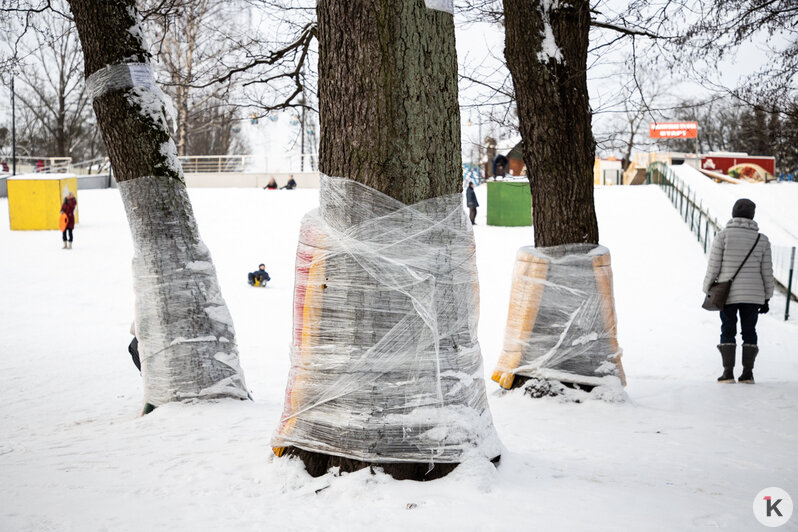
x=132 y=138
x=388 y=97
x=186 y=338
x=546 y=52
x=390 y=120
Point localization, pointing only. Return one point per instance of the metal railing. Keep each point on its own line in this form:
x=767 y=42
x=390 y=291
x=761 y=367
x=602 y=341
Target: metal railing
x=98 y=165
x=706 y=227
x=307 y=162
x=218 y=164
x=29 y=165
x=783 y=270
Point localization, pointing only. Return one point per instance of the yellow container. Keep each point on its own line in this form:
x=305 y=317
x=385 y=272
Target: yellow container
x=34 y=202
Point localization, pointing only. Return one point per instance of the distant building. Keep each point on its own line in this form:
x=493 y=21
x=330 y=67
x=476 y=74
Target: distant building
x=516 y=158
x=607 y=171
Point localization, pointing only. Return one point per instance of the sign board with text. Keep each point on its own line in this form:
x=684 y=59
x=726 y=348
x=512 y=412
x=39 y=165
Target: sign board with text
x=673 y=130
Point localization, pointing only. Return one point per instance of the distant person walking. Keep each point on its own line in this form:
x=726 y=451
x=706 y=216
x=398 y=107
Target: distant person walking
x=750 y=291
x=471 y=201
x=68 y=208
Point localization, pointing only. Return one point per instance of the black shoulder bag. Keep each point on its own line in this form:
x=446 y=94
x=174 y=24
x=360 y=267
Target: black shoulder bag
x=719 y=292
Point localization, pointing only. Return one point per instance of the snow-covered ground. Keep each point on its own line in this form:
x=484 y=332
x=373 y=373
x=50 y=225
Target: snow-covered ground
x=683 y=453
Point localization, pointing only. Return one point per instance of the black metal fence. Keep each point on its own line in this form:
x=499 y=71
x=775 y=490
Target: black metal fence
x=702 y=224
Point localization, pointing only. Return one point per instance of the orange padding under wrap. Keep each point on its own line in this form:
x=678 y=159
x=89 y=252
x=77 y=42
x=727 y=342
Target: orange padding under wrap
x=524 y=305
x=309 y=287
x=603 y=272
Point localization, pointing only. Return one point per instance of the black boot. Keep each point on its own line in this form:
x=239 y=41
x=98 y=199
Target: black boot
x=727 y=353
x=749 y=355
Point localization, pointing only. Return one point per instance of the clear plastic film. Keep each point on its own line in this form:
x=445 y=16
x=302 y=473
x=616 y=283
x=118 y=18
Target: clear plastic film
x=385 y=362
x=122 y=76
x=186 y=338
x=138 y=76
x=561 y=324
x=440 y=5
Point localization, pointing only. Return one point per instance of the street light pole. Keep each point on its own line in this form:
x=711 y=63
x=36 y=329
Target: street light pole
x=479 y=149
x=302 y=144
x=13 y=132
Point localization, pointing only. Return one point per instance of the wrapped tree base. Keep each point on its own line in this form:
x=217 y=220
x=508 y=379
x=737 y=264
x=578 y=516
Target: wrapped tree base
x=185 y=333
x=386 y=368
x=561 y=324
x=318 y=464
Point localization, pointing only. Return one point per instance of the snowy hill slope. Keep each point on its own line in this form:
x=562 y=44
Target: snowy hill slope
x=777 y=203
x=684 y=453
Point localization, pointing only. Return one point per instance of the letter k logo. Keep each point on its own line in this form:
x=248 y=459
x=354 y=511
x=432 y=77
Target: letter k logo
x=772 y=506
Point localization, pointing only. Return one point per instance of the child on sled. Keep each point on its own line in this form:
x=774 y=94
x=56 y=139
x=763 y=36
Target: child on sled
x=259 y=277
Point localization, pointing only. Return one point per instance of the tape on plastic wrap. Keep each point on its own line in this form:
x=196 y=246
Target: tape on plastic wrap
x=385 y=362
x=122 y=76
x=147 y=95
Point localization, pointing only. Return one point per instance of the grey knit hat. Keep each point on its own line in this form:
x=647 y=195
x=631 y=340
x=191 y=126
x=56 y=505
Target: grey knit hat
x=744 y=208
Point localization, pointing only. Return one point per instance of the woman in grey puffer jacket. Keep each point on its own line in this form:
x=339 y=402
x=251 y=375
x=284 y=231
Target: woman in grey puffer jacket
x=750 y=291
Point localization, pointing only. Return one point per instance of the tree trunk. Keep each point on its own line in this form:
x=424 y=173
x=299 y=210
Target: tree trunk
x=389 y=119
x=183 y=79
x=186 y=337
x=61 y=142
x=549 y=76
x=546 y=52
x=388 y=97
x=630 y=143
x=182 y=120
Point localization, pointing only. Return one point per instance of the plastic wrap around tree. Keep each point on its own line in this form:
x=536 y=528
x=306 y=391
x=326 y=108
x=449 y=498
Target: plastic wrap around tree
x=561 y=324
x=385 y=362
x=185 y=332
